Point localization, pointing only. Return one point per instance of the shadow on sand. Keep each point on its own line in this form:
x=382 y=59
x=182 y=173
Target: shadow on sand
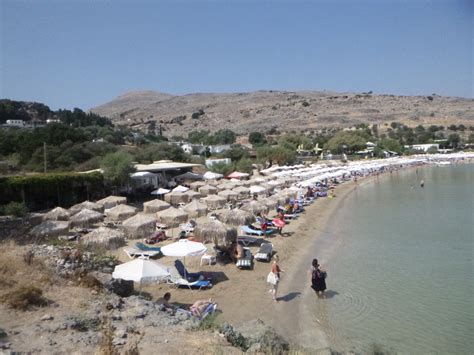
x=330 y=294
x=288 y=297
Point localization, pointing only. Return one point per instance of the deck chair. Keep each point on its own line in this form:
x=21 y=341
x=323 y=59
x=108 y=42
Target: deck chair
x=246 y=240
x=175 y=280
x=190 y=276
x=209 y=310
x=137 y=253
x=245 y=262
x=144 y=247
x=265 y=252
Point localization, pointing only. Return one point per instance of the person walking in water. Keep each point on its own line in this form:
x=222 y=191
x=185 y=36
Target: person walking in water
x=318 y=278
x=422 y=183
x=273 y=277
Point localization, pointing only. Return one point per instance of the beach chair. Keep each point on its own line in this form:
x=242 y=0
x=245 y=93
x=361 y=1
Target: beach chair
x=246 y=240
x=265 y=252
x=252 y=231
x=190 y=276
x=246 y=262
x=209 y=310
x=175 y=280
x=137 y=253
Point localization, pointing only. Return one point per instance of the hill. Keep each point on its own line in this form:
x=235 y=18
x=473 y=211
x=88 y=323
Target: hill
x=281 y=110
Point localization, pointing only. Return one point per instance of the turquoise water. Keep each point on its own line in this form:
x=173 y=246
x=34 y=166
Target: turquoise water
x=400 y=264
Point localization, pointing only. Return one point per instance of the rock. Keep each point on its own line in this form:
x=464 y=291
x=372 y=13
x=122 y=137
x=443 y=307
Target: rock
x=122 y=288
x=47 y=317
x=3 y=333
x=4 y=345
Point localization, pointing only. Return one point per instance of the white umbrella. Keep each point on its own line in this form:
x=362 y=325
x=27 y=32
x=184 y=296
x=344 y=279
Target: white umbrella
x=160 y=191
x=180 y=188
x=141 y=270
x=184 y=248
x=255 y=189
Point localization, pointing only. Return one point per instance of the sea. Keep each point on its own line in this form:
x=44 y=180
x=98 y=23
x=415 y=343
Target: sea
x=400 y=265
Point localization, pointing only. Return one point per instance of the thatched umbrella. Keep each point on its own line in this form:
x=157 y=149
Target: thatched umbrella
x=215 y=231
x=229 y=195
x=86 y=205
x=195 y=209
x=255 y=207
x=121 y=212
x=176 y=198
x=242 y=191
x=86 y=218
x=196 y=185
x=270 y=203
x=288 y=193
x=104 y=237
x=50 y=229
x=57 y=214
x=214 y=202
x=139 y=226
x=172 y=217
x=207 y=190
x=235 y=217
x=267 y=186
x=279 y=200
x=112 y=201
x=226 y=186
x=247 y=183
x=154 y=206
x=192 y=195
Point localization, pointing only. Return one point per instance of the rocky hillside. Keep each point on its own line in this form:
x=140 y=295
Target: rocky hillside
x=283 y=110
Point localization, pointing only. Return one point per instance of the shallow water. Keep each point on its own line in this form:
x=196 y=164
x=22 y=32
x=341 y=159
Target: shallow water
x=400 y=265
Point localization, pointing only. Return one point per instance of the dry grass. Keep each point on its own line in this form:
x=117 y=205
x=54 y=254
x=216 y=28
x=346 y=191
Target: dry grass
x=106 y=346
x=24 y=298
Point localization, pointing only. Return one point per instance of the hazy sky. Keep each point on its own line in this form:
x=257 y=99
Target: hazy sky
x=84 y=53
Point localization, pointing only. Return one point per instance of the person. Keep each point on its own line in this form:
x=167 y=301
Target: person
x=318 y=278
x=422 y=183
x=165 y=301
x=281 y=217
x=198 y=307
x=273 y=277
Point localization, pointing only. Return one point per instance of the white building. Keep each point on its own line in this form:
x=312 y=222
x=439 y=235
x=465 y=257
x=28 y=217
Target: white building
x=16 y=123
x=423 y=147
x=211 y=162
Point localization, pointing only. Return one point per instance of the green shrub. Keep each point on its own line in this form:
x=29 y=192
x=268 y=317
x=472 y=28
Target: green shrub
x=16 y=209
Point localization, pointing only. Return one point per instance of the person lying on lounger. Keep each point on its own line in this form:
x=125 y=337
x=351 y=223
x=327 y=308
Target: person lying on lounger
x=198 y=308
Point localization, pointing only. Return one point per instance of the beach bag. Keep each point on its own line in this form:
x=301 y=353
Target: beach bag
x=272 y=278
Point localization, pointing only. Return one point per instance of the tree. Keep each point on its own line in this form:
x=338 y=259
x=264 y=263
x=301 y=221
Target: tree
x=243 y=165
x=222 y=168
x=350 y=141
x=236 y=153
x=390 y=144
x=279 y=154
x=453 y=140
x=257 y=138
x=117 y=168
x=224 y=136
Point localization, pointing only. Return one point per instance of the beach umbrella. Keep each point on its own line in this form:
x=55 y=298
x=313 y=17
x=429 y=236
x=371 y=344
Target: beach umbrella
x=85 y=218
x=57 y=214
x=180 y=188
x=209 y=175
x=229 y=195
x=196 y=185
x=121 y=212
x=189 y=176
x=207 y=190
x=215 y=231
x=255 y=208
x=86 y=205
x=176 y=198
x=270 y=203
x=141 y=270
x=195 y=209
x=267 y=186
x=160 y=191
x=257 y=190
x=242 y=191
x=172 y=217
x=139 y=226
x=50 y=229
x=192 y=195
x=112 y=201
x=247 y=183
x=214 y=202
x=235 y=217
x=184 y=248
x=288 y=193
x=237 y=175
x=154 y=206
x=104 y=237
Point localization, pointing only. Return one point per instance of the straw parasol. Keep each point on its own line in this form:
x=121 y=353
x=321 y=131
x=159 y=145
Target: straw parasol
x=207 y=190
x=214 y=202
x=288 y=193
x=270 y=203
x=104 y=237
x=257 y=190
x=172 y=217
x=139 y=226
x=154 y=206
x=235 y=217
x=229 y=195
x=192 y=195
x=195 y=209
x=215 y=231
x=242 y=191
x=196 y=185
x=57 y=214
x=121 y=212
x=86 y=205
x=50 y=229
x=176 y=197
x=86 y=218
x=267 y=186
x=112 y=201
x=255 y=207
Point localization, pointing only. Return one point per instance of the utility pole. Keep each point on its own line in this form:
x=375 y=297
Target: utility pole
x=44 y=156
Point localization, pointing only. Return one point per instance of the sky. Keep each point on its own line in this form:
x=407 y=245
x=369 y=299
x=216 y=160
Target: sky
x=82 y=54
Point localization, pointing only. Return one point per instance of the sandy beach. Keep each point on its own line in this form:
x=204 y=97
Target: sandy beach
x=242 y=295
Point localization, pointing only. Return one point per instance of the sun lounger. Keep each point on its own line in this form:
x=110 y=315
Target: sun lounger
x=246 y=261
x=209 y=310
x=246 y=240
x=265 y=252
x=190 y=276
x=144 y=247
x=253 y=231
x=137 y=253
x=178 y=281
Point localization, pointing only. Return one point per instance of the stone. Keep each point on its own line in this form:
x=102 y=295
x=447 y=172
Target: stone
x=47 y=317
